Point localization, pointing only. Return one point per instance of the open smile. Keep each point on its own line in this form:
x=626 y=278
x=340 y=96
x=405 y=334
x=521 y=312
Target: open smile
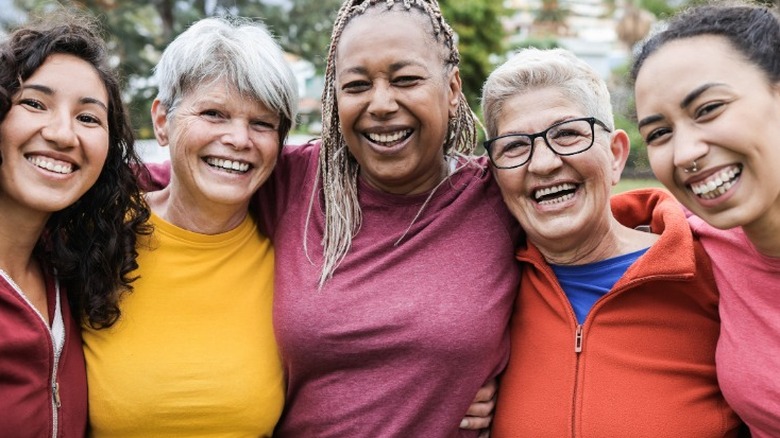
x=231 y=166
x=555 y=194
x=50 y=164
x=389 y=138
x=718 y=183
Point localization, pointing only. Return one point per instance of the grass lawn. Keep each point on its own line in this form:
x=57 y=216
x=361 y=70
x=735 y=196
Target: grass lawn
x=629 y=184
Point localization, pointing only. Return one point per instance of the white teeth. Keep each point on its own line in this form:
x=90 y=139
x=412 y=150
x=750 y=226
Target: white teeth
x=50 y=165
x=717 y=184
x=388 y=138
x=552 y=190
x=557 y=200
x=236 y=165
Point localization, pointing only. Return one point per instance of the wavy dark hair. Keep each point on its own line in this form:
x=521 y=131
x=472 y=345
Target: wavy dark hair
x=752 y=29
x=90 y=244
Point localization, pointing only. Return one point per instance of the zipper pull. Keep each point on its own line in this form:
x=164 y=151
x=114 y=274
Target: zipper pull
x=578 y=339
x=56 y=394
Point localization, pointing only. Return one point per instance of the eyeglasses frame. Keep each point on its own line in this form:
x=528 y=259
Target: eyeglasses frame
x=532 y=137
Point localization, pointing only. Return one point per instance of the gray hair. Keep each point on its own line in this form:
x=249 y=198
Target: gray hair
x=532 y=69
x=241 y=52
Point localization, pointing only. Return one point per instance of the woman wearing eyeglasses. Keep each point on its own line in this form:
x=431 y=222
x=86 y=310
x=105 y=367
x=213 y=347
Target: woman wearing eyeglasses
x=615 y=325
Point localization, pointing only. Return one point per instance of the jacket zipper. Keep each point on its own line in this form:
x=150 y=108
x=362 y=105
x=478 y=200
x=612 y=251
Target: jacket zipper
x=55 y=396
x=577 y=351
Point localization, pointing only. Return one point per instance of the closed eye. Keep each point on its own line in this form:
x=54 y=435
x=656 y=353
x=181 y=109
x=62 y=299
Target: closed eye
x=356 y=86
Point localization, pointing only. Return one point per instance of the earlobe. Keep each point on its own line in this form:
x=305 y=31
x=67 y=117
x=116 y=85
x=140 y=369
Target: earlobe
x=160 y=122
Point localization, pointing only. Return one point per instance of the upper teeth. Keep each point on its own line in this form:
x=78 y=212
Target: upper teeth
x=388 y=138
x=554 y=189
x=48 y=164
x=228 y=164
x=716 y=184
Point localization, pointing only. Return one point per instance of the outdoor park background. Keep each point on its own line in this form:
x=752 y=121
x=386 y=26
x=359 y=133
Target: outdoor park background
x=602 y=32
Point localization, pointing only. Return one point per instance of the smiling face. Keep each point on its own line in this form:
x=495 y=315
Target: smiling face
x=559 y=201
x=715 y=107
x=54 y=139
x=223 y=147
x=394 y=102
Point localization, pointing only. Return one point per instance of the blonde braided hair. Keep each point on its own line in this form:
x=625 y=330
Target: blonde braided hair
x=337 y=168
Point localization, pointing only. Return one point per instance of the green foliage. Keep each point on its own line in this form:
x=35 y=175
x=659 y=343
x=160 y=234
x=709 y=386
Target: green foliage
x=480 y=35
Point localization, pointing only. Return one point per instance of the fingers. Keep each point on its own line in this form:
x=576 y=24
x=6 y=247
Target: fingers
x=476 y=423
x=487 y=392
x=481 y=409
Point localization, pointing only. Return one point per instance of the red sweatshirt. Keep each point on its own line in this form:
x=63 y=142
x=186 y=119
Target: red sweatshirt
x=41 y=395
x=642 y=364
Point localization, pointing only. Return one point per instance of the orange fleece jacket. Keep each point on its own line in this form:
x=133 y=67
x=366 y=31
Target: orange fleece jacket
x=646 y=366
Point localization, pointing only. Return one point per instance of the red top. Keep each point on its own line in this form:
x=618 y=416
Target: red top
x=27 y=364
x=646 y=365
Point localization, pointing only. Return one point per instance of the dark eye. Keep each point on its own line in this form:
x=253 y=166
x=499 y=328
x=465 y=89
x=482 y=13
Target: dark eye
x=262 y=125
x=356 y=86
x=212 y=114
x=708 y=109
x=657 y=135
x=407 y=81
x=32 y=103
x=89 y=119
x=513 y=146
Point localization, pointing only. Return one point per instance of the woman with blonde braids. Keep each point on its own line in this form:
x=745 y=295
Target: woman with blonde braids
x=394 y=275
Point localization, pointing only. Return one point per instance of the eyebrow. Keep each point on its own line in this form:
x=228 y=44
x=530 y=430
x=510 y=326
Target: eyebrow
x=50 y=92
x=394 y=67
x=687 y=100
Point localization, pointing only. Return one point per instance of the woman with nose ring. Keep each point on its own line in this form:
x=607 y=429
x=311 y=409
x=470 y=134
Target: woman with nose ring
x=708 y=104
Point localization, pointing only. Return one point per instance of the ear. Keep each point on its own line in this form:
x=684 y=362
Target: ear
x=160 y=122
x=455 y=89
x=619 y=146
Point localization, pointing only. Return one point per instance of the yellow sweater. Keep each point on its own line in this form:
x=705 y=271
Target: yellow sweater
x=193 y=354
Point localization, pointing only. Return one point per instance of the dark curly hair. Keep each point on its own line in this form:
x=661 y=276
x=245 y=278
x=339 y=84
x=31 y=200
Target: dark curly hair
x=90 y=244
x=753 y=30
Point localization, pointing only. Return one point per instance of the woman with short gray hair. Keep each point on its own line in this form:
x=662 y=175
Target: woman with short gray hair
x=193 y=352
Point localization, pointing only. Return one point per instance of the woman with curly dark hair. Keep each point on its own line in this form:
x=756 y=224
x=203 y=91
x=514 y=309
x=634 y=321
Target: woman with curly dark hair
x=71 y=211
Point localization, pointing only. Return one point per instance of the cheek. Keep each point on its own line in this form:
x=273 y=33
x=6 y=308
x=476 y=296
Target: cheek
x=660 y=162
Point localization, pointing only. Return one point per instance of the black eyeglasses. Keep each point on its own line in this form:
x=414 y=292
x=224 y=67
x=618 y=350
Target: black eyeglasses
x=565 y=138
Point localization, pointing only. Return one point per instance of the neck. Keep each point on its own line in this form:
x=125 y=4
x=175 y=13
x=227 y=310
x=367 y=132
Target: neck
x=19 y=233
x=596 y=245
x=764 y=234
x=194 y=215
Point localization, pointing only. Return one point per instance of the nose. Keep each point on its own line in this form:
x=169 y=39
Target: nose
x=383 y=101
x=688 y=145
x=543 y=160
x=59 y=130
x=237 y=134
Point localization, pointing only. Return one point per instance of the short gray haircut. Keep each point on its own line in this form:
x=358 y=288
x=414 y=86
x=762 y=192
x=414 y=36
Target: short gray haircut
x=239 y=51
x=533 y=69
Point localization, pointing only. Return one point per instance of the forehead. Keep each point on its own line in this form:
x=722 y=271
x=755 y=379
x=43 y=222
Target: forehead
x=534 y=110
x=679 y=66
x=64 y=72
x=383 y=31
x=221 y=92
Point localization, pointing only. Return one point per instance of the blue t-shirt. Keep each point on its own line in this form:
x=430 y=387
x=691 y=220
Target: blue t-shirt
x=584 y=284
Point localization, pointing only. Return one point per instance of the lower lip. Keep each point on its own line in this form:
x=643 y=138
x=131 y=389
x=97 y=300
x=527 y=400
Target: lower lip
x=388 y=150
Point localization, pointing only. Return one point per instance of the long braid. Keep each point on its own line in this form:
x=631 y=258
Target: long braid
x=337 y=168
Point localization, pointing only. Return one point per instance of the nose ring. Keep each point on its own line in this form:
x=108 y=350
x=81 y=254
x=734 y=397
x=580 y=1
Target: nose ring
x=692 y=169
